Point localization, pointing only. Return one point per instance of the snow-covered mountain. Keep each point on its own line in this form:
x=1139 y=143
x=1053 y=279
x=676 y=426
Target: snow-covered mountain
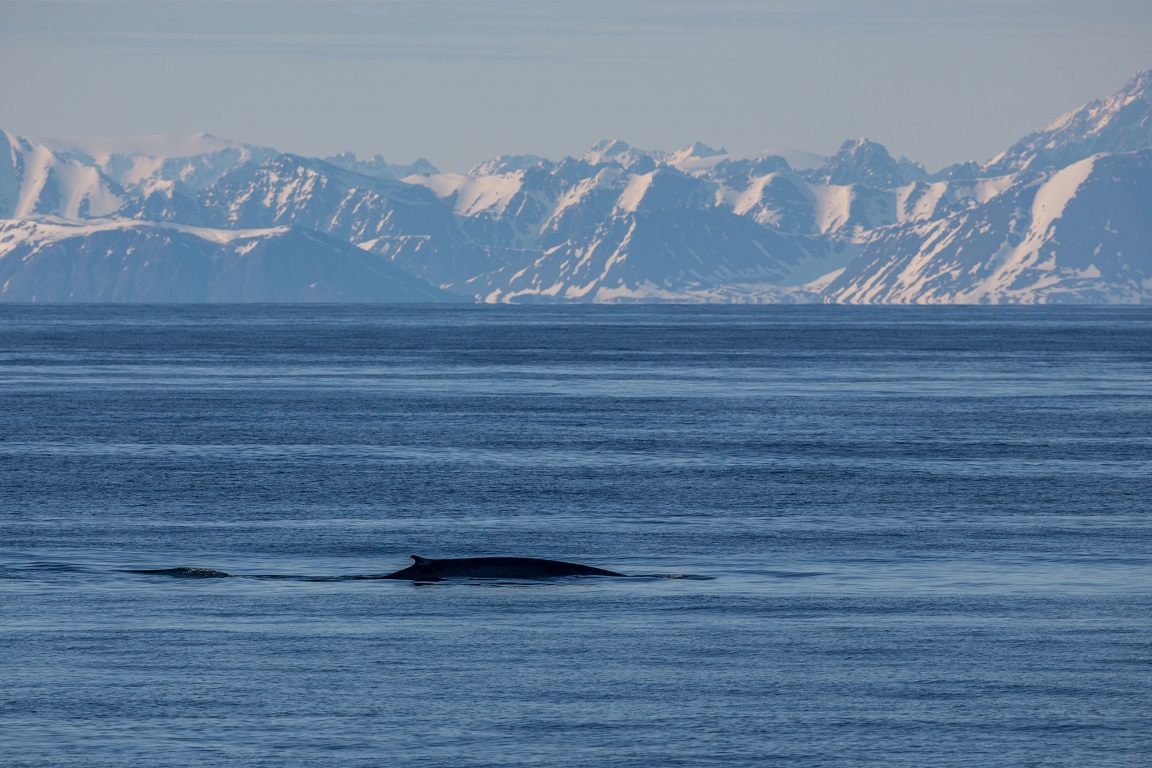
x=119 y=260
x=1082 y=234
x=376 y=166
x=1120 y=123
x=39 y=182
x=865 y=162
x=1063 y=215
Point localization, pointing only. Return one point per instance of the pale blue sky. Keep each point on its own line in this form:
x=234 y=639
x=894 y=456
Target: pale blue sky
x=459 y=81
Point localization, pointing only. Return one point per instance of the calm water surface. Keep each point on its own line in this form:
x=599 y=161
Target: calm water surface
x=899 y=537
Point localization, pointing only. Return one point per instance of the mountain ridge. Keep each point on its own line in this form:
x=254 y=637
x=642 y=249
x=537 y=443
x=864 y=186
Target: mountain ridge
x=1058 y=216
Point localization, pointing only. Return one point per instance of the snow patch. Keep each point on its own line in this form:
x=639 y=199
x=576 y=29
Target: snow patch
x=833 y=206
x=634 y=191
x=56 y=228
x=1054 y=195
x=474 y=194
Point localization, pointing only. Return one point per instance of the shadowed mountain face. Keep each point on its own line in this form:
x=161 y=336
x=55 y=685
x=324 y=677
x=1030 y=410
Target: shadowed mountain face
x=1060 y=216
x=130 y=262
x=425 y=569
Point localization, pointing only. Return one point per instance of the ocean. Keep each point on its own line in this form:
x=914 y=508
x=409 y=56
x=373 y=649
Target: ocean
x=903 y=536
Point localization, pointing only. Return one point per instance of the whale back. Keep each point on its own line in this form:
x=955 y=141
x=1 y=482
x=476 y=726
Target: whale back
x=426 y=569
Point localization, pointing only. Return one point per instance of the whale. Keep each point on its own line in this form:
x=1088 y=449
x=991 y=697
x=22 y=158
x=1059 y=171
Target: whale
x=427 y=569
x=186 y=573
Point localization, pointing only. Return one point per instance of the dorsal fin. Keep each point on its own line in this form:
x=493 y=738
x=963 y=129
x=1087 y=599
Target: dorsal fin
x=421 y=560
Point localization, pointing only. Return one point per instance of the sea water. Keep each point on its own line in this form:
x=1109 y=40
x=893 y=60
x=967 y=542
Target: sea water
x=861 y=537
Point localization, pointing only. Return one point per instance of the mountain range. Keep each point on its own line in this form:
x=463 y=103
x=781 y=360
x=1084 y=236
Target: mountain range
x=1063 y=215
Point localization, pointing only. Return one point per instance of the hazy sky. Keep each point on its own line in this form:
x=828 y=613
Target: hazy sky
x=459 y=81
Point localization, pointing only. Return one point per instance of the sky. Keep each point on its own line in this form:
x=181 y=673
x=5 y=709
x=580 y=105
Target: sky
x=461 y=81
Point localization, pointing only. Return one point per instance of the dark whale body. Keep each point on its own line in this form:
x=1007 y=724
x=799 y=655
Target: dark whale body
x=425 y=569
x=186 y=573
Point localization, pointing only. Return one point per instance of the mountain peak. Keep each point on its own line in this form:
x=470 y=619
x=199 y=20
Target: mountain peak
x=610 y=147
x=620 y=152
x=862 y=161
x=377 y=167
x=862 y=144
x=1139 y=85
x=1121 y=122
x=503 y=164
x=697 y=150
